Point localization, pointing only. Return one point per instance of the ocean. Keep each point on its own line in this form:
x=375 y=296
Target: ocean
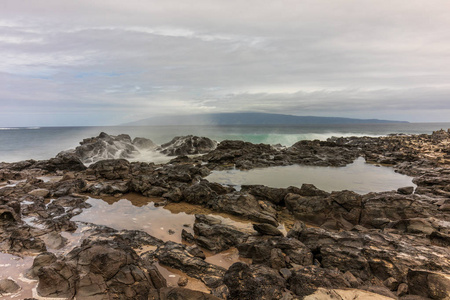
x=38 y=143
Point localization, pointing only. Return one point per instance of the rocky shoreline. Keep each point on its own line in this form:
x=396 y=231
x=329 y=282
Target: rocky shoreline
x=339 y=245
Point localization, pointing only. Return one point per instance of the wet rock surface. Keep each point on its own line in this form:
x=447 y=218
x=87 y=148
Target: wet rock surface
x=188 y=145
x=339 y=245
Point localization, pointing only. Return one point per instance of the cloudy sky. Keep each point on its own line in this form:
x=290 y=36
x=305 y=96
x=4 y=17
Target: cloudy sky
x=107 y=62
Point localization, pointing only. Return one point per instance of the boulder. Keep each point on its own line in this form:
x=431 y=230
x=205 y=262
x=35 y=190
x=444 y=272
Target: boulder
x=214 y=236
x=8 y=286
x=8 y=215
x=188 y=145
x=267 y=229
x=65 y=161
x=68 y=187
x=41 y=260
x=57 y=280
x=274 y=195
x=407 y=190
x=253 y=282
x=433 y=285
x=276 y=252
x=306 y=280
x=246 y=206
x=40 y=193
x=143 y=143
x=111 y=169
x=177 y=256
x=199 y=193
x=335 y=211
x=24 y=240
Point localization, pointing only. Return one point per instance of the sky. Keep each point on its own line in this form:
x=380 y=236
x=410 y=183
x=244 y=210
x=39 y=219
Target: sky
x=107 y=62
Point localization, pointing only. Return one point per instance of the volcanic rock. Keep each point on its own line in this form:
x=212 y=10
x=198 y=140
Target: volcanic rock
x=8 y=286
x=188 y=145
x=101 y=268
x=177 y=256
x=429 y=284
x=253 y=282
x=246 y=206
x=214 y=236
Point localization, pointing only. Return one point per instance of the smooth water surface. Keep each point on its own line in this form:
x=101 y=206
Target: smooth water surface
x=141 y=214
x=359 y=177
x=122 y=214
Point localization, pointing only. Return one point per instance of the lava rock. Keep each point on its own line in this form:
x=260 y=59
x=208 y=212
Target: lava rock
x=188 y=145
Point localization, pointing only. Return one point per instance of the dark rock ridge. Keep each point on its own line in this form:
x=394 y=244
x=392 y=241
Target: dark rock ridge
x=188 y=145
x=392 y=244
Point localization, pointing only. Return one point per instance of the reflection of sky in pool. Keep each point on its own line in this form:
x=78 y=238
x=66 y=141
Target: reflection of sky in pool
x=124 y=215
x=134 y=214
x=358 y=176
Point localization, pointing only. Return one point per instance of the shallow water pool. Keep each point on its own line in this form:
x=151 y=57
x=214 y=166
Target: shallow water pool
x=359 y=177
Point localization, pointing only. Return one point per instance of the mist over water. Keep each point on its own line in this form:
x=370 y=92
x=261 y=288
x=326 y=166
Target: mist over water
x=18 y=144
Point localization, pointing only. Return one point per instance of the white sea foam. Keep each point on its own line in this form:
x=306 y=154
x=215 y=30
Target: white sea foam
x=151 y=156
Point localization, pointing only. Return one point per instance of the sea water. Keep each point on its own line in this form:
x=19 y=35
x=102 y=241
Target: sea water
x=37 y=143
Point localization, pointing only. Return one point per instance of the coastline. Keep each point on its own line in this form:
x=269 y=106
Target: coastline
x=45 y=142
x=381 y=244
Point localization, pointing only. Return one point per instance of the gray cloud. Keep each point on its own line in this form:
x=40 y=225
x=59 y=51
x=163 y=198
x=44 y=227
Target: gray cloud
x=108 y=62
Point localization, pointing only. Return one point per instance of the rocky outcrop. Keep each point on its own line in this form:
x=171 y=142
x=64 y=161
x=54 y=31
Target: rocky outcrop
x=110 y=169
x=66 y=161
x=306 y=280
x=334 y=211
x=188 y=145
x=320 y=153
x=373 y=254
x=276 y=252
x=98 y=269
x=211 y=234
x=105 y=146
x=246 y=206
x=254 y=282
x=243 y=155
x=177 y=256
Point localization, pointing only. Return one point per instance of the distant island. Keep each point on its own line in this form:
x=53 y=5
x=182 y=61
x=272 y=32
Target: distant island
x=250 y=118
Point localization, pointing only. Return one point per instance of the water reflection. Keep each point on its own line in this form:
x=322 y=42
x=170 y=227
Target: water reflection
x=123 y=214
x=359 y=177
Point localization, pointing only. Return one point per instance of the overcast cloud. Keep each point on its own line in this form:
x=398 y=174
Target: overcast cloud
x=108 y=62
